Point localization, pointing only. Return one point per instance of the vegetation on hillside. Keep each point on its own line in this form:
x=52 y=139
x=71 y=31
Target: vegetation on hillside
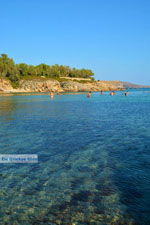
x=15 y=72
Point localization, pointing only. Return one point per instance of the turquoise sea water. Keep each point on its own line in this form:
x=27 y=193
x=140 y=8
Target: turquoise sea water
x=94 y=159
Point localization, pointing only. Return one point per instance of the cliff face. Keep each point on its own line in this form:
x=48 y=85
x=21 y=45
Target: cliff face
x=47 y=85
x=5 y=85
x=91 y=86
x=40 y=85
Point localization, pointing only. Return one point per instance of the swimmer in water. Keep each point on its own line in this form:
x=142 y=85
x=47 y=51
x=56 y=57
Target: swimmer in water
x=112 y=93
x=126 y=93
x=51 y=95
x=88 y=94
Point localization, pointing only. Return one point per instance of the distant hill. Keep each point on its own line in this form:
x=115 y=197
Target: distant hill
x=131 y=85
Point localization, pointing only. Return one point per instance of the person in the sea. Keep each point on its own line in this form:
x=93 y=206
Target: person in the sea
x=112 y=93
x=126 y=93
x=88 y=94
x=51 y=95
x=101 y=92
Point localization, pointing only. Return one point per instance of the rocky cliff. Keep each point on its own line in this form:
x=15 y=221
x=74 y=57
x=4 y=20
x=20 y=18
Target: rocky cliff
x=90 y=86
x=44 y=85
x=5 y=85
x=47 y=85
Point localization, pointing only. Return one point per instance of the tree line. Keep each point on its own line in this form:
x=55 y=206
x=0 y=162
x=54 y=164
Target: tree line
x=15 y=72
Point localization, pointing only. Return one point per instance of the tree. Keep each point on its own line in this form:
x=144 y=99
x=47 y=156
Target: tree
x=14 y=72
x=7 y=66
x=23 y=69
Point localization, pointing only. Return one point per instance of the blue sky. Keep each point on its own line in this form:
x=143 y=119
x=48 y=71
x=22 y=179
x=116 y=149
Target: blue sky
x=111 y=37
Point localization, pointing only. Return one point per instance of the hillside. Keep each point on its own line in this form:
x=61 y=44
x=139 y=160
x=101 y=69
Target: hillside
x=131 y=85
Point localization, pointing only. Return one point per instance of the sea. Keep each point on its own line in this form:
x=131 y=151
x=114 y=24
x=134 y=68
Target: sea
x=93 y=159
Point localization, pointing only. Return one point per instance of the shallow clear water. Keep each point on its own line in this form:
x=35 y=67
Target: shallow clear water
x=94 y=159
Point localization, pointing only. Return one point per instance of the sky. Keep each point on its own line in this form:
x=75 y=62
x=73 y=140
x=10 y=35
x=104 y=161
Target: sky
x=110 y=37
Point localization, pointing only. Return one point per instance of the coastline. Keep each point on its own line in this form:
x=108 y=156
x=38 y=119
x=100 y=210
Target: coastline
x=51 y=85
x=46 y=85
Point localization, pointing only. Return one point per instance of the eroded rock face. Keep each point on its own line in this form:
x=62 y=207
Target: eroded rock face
x=90 y=86
x=40 y=85
x=48 y=85
x=5 y=85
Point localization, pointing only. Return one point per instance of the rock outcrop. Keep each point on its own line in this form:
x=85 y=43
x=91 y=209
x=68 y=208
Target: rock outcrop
x=47 y=85
x=5 y=85
x=91 y=86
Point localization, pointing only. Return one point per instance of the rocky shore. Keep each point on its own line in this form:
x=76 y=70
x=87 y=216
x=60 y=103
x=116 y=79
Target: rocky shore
x=47 y=85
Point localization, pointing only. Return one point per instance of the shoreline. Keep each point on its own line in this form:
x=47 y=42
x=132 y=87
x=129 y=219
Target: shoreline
x=55 y=86
x=39 y=86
